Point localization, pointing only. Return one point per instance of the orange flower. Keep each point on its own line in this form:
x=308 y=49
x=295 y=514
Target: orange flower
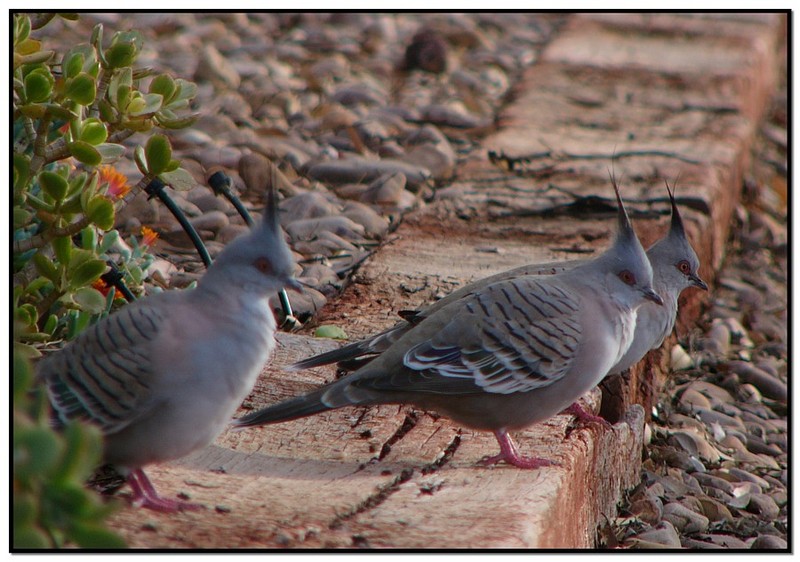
x=149 y=236
x=103 y=287
x=117 y=182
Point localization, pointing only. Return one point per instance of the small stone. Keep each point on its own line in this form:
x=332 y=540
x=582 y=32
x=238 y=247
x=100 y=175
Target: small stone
x=684 y=519
x=743 y=476
x=662 y=536
x=306 y=229
x=214 y=67
x=691 y=399
x=374 y=224
x=714 y=510
x=311 y=204
x=769 y=386
x=721 y=335
x=725 y=541
x=439 y=162
x=712 y=416
x=325 y=244
x=708 y=480
x=427 y=51
x=451 y=115
x=362 y=170
x=769 y=542
x=213 y=220
x=207 y=202
x=231 y=232
x=695 y=544
x=763 y=506
x=385 y=190
x=648 y=507
x=680 y=360
x=737 y=333
x=750 y=394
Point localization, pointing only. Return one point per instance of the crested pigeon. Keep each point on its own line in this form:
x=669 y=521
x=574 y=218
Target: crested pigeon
x=675 y=268
x=507 y=356
x=163 y=376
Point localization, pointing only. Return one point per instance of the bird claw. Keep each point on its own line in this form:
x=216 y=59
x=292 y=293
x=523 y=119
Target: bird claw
x=145 y=495
x=518 y=461
x=584 y=417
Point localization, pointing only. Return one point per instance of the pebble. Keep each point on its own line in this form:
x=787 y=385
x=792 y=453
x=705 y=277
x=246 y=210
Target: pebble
x=684 y=519
x=309 y=205
x=767 y=384
x=375 y=225
x=763 y=506
x=212 y=220
x=648 y=507
x=769 y=542
x=714 y=511
x=663 y=535
x=306 y=229
x=357 y=169
x=679 y=359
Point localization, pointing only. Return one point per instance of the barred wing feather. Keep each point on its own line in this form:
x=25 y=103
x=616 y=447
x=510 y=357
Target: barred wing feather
x=525 y=333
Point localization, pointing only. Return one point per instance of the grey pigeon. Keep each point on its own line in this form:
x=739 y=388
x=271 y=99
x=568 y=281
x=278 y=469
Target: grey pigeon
x=675 y=268
x=163 y=376
x=507 y=356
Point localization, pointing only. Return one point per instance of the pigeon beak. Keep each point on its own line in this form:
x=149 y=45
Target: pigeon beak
x=697 y=282
x=651 y=295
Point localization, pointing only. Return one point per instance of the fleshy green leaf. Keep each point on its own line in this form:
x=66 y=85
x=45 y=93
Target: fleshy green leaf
x=108 y=240
x=158 y=152
x=90 y=299
x=121 y=54
x=22 y=170
x=110 y=152
x=86 y=273
x=62 y=247
x=330 y=331
x=179 y=180
x=37 y=87
x=139 y=158
x=101 y=212
x=93 y=131
x=72 y=64
x=85 y=153
x=45 y=266
x=163 y=84
x=53 y=184
x=40 y=450
x=176 y=122
x=81 y=89
x=88 y=238
x=145 y=105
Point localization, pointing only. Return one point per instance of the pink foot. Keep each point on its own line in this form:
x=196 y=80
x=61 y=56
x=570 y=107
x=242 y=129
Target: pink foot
x=585 y=417
x=145 y=495
x=509 y=454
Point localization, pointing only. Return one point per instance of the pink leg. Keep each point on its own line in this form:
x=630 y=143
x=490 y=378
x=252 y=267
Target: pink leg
x=509 y=454
x=583 y=416
x=145 y=495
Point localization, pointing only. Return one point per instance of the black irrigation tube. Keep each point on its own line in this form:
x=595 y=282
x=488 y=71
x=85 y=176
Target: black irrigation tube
x=156 y=189
x=113 y=278
x=220 y=183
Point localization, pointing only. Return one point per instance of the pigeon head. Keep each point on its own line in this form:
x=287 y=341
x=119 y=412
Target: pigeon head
x=629 y=267
x=673 y=257
x=259 y=260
